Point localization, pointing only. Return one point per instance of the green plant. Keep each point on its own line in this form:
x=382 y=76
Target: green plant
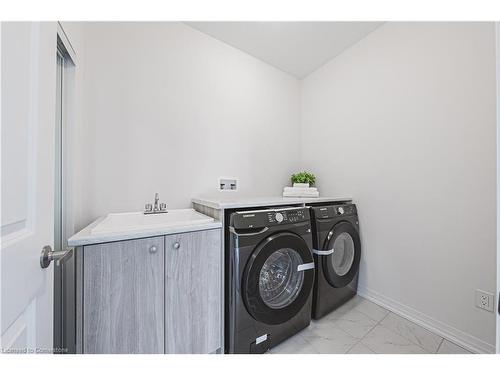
x=304 y=178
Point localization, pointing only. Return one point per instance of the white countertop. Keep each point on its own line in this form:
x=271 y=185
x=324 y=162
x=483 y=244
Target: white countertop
x=100 y=231
x=223 y=202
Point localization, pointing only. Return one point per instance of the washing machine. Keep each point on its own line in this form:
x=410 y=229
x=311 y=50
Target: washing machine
x=337 y=254
x=270 y=278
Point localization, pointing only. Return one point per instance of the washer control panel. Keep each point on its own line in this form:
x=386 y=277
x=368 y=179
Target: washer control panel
x=287 y=215
x=269 y=217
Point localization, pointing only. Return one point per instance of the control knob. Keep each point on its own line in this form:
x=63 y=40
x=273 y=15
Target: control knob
x=279 y=217
x=340 y=210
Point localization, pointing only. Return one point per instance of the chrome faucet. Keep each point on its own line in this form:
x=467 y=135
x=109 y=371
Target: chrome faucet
x=157 y=199
x=157 y=208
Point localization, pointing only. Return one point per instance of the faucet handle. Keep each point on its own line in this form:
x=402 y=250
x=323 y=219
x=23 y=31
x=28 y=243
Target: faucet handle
x=163 y=206
x=148 y=207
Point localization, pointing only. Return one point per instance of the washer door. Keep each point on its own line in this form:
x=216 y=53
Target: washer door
x=342 y=265
x=278 y=278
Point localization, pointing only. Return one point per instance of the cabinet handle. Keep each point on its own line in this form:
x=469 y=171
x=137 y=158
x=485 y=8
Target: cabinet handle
x=153 y=249
x=176 y=245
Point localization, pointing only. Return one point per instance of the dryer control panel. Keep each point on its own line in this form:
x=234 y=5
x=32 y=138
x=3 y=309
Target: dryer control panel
x=326 y=212
x=269 y=217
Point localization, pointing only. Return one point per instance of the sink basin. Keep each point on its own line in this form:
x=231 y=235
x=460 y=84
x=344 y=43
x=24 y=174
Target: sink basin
x=137 y=221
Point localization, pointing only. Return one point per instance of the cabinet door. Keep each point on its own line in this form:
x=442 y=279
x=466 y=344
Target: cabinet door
x=193 y=292
x=123 y=291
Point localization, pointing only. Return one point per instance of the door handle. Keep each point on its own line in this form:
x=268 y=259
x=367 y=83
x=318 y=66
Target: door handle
x=232 y=230
x=305 y=266
x=323 y=252
x=48 y=255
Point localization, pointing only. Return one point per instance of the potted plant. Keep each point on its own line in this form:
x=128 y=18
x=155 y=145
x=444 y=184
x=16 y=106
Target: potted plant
x=303 y=179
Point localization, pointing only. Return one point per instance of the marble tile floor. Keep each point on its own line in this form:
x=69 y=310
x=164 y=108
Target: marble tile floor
x=362 y=327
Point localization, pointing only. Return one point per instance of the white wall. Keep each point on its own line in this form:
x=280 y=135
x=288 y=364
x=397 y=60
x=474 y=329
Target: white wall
x=170 y=110
x=497 y=35
x=405 y=122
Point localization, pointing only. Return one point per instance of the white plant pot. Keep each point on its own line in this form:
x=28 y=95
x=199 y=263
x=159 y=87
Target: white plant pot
x=300 y=185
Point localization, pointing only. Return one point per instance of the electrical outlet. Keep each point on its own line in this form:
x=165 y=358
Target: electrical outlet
x=228 y=184
x=485 y=300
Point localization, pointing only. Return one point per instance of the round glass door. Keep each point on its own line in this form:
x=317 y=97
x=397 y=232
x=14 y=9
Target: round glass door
x=343 y=254
x=342 y=265
x=279 y=281
x=275 y=285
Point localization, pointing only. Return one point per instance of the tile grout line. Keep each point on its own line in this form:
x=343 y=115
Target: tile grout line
x=369 y=317
x=371 y=329
x=393 y=331
x=348 y=350
x=387 y=312
x=439 y=346
x=347 y=333
x=353 y=345
x=407 y=339
x=396 y=333
x=410 y=340
x=333 y=323
x=377 y=322
x=426 y=329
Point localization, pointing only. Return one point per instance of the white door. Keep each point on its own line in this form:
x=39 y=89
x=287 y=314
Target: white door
x=28 y=87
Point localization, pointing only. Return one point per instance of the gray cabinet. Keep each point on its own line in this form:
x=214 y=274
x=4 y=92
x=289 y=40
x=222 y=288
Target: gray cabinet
x=123 y=296
x=193 y=292
x=152 y=295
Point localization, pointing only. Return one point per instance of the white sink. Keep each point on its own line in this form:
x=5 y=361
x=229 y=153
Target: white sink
x=137 y=221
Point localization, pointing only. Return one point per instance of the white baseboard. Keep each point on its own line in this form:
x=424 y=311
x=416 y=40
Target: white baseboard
x=450 y=333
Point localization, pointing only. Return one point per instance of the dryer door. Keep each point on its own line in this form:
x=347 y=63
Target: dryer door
x=342 y=265
x=278 y=278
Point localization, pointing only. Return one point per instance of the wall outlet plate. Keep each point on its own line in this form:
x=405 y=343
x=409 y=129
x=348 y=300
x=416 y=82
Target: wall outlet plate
x=228 y=184
x=485 y=300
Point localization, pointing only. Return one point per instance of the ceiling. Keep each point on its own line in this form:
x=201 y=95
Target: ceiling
x=298 y=48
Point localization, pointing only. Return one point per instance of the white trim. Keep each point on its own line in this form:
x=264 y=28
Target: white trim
x=68 y=132
x=461 y=338
x=497 y=308
x=67 y=43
